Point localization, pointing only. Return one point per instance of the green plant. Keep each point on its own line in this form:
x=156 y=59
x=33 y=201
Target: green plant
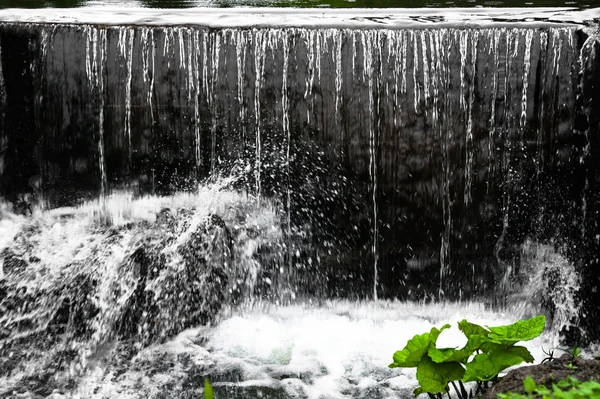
x=571 y=366
x=486 y=354
x=549 y=355
x=575 y=352
x=569 y=388
x=208 y=390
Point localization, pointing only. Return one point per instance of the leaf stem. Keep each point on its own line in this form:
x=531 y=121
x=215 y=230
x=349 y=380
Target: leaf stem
x=457 y=390
x=463 y=390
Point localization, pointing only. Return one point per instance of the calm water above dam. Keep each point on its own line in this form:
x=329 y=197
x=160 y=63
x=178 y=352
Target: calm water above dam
x=300 y=3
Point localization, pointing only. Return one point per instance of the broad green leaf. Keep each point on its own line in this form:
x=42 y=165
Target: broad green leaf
x=435 y=333
x=441 y=355
x=521 y=351
x=471 y=329
x=434 y=377
x=462 y=355
x=418 y=391
x=412 y=353
x=487 y=366
x=208 y=390
x=523 y=330
x=542 y=390
x=493 y=346
x=415 y=348
x=529 y=384
x=449 y=354
x=573 y=380
x=564 y=384
x=589 y=389
x=557 y=393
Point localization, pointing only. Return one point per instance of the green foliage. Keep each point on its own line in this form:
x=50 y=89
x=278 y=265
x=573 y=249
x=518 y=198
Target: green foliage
x=569 y=388
x=416 y=347
x=435 y=377
x=486 y=354
x=487 y=366
x=524 y=330
x=571 y=366
x=208 y=390
x=575 y=352
x=529 y=385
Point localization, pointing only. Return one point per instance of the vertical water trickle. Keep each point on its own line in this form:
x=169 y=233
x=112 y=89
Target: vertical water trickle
x=338 y=73
x=90 y=55
x=181 y=41
x=3 y=133
x=190 y=64
x=474 y=36
x=94 y=65
x=168 y=43
x=196 y=79
x=2 y=100
x=367 y=40
x=392 y=59
x=463 y=37
x=286 y=133
x=464 y=48
x=379 y=44
x=493 y=51
x=45 y=40
x=259 y=62
x=507 y=132
x=542 y=109
x=404 y=56
x=205 y=62
x=313 y=57
x=446 y=137
x=39 y=74
x=319 y=37
x=524 y=96
x=101 y=160
x=415 y=59
x=423 y=39
x=434 y=51
x=214 y=78
x=587 y=52
x=128 y=53
x=240 y=52
x=148 y=65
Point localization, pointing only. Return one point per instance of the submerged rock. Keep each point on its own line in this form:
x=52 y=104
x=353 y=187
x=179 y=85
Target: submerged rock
x=117 y=288
x=179 y=287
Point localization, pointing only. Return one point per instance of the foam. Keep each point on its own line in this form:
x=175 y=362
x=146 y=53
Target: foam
x=318 y=351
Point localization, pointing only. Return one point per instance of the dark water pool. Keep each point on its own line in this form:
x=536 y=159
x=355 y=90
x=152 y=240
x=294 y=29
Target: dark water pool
x=301 y=3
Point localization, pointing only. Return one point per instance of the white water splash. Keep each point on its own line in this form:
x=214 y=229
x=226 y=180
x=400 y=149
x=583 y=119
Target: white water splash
x=329 y=351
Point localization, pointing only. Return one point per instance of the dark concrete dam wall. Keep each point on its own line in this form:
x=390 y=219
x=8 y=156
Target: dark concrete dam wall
x=420 y=160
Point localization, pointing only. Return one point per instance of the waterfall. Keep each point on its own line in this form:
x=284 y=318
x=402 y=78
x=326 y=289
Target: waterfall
x=216 y=198
x=405 y=149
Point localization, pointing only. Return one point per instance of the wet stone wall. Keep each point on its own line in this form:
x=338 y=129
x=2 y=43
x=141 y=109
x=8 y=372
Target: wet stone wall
x=418 y=159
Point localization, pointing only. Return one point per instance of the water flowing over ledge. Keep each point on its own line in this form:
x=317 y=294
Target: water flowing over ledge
x=308 y=18
x=402 y=150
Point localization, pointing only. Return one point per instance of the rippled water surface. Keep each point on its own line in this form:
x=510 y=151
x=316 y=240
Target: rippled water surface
x=301 y=3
